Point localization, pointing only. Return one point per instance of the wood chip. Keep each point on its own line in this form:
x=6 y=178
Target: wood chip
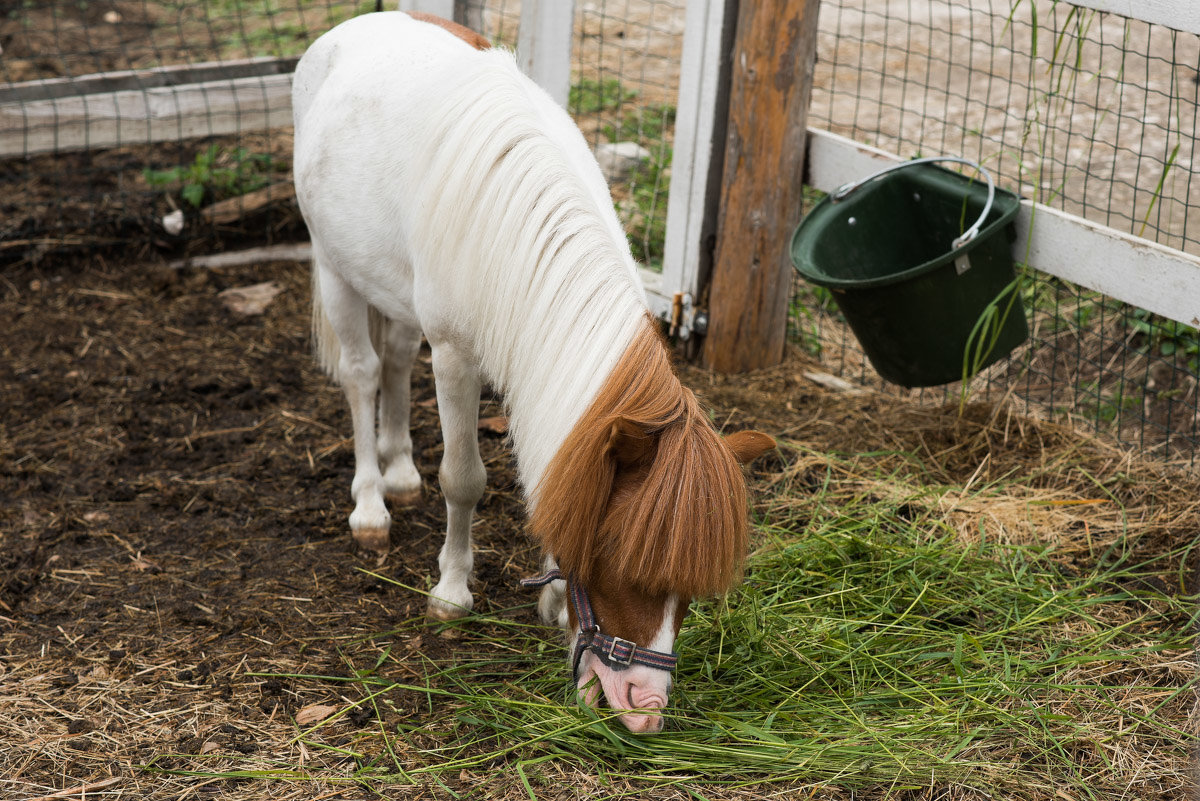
x=494 y=425
x=233 y=209
x=288 y=252
x=250 y=300
x=79 y=790
x=314 y=713
x=835 y=383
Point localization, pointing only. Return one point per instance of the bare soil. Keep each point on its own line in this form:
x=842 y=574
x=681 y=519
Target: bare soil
x=175 y=490
x=174 y=481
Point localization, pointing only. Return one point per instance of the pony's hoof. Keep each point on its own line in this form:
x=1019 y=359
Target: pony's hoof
x=404 y=497
x=442 y=612
x=373 y=539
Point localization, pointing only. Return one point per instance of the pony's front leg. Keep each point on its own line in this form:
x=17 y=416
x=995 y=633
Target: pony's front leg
x=462 y=477
x=398 y=345
x=358 y=372
x=552 y=603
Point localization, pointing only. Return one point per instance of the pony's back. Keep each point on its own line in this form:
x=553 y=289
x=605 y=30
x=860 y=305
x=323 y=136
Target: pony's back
x=457 y=196
x=389 y=107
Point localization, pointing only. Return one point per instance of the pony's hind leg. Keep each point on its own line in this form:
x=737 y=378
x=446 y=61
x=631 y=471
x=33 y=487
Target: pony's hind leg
x=398 y=343
x=358 y=371
x=462 y=477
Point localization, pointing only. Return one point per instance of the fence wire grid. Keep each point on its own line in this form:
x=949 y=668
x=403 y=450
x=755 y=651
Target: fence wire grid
x=1083 y=111
x=117 y=115
x=1090 y=113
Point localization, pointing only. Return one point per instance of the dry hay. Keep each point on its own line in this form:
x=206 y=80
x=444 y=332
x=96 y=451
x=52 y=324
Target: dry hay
x=984 y=469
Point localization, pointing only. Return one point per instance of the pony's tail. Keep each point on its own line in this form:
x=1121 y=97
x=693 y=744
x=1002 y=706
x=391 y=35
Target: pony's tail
x=327 y=348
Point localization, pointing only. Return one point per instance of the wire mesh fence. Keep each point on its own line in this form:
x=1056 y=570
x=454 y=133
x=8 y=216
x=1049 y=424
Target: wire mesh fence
x=181 y=109
x=1082 y=111
x=627 y=58
x=155 y=126
x=114 y=114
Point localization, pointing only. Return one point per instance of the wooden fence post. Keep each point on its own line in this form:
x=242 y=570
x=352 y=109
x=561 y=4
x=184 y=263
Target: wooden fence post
x=773 y=57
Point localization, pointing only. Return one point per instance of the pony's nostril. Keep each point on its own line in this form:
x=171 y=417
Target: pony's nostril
x=643 y=724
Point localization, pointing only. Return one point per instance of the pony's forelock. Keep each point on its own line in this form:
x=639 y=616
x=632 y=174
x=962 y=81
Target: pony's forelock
x=681 y=527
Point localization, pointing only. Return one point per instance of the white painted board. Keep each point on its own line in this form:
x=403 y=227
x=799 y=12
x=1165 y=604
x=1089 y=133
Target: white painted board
x=1182 y=15
x=439 y=8
x=697 y=147
x=108 y=119
x=544 y=45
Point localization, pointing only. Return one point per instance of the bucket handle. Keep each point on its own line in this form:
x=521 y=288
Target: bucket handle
x=843 y=191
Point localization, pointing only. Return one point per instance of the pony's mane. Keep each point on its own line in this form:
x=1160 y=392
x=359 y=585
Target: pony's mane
x=551 y=297
x=683 y=529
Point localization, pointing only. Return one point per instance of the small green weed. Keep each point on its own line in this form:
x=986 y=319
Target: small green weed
x=646 y=219
x=1168 y=338
x=810 y=304
x=590 y=96
x=644 y=213
x=215 y=174
x=1109 y=406
x=645 y=123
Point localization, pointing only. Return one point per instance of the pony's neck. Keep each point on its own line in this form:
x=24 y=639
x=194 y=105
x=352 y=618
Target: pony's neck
x=532 y=262
x=561 y=374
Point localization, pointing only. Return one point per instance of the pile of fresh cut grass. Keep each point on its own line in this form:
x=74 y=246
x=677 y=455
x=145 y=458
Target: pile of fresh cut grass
x=873 y=647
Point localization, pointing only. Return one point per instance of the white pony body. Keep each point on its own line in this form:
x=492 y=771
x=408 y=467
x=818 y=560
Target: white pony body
x=430 y=232
x=447 y=195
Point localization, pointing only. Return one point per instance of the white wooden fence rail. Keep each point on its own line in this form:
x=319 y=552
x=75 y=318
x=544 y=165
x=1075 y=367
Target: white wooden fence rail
x=1182 y=15
x=142 y=106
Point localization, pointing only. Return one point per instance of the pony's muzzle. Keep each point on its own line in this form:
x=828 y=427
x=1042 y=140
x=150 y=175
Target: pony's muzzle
x=637 y=692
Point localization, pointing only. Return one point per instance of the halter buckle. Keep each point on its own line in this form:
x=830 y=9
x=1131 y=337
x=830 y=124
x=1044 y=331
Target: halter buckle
x=631 y=647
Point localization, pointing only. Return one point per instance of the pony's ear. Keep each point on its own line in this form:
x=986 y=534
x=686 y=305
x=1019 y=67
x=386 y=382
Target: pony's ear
x=748 y=445
x=629 y=443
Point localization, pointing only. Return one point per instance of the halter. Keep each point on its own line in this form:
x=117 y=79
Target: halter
x=615 y=652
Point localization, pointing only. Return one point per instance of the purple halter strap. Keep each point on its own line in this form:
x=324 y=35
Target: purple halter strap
x=615 y=652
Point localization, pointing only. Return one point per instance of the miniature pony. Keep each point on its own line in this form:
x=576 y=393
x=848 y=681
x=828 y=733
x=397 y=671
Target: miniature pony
x=447 y=195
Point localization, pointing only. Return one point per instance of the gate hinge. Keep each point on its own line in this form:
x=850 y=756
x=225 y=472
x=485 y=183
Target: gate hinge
x=683 y=318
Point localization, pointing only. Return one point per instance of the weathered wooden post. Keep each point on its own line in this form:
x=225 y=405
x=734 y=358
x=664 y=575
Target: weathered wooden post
x=773 y=55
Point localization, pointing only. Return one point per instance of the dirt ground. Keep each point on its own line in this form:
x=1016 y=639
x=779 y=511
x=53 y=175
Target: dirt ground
x=174 y=487
x=175 y=483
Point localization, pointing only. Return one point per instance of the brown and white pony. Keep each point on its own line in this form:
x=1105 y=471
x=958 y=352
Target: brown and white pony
x=447 y=195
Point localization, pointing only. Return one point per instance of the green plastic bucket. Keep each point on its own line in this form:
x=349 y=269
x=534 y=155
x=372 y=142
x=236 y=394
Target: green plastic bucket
x=925 y=291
